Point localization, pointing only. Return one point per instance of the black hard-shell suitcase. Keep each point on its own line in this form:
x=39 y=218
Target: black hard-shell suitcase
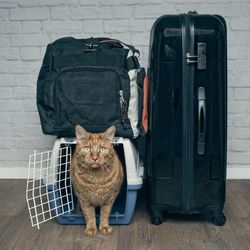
x=186 y=143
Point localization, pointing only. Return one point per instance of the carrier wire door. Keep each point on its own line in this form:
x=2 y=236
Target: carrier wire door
x=49 y=194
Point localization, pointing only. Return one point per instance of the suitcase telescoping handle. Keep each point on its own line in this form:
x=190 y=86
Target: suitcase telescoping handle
x=201 y=121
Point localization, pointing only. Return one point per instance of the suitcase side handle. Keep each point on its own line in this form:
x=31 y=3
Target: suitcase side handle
x=201 y=121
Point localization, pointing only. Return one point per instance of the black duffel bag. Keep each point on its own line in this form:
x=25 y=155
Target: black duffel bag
x=95 y=82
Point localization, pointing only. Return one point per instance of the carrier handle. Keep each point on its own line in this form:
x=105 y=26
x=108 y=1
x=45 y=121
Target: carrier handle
x=201 y=121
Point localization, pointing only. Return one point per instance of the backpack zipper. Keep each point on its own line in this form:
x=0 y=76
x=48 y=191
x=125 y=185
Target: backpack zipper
x=124 y=108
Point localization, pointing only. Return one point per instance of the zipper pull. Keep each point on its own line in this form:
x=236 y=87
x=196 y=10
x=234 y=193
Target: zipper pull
x=124 y=107
x=122 y=100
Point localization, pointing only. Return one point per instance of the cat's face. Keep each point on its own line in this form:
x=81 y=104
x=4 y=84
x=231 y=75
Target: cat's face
x=95 y=150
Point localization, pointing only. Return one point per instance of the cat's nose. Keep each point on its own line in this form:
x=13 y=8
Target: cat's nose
x=94 y=158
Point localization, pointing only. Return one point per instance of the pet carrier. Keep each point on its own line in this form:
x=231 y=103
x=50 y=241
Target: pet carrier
x=49 y=192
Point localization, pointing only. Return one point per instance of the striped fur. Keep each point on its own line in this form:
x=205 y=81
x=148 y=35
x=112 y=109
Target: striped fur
x=97 y=175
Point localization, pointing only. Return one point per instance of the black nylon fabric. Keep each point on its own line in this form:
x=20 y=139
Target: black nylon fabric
x=80 y=82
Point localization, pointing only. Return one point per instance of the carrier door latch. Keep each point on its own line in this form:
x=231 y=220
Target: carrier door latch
x=200 y=58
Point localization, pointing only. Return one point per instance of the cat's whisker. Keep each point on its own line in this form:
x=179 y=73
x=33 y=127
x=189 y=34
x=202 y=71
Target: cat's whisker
x=102 y=167
x=106 y=168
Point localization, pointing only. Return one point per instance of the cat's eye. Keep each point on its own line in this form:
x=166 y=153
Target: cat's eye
x=87 y=149
x=102 y=149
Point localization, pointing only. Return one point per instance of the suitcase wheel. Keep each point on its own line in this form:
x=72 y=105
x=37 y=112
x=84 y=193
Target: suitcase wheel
x=156 y=218
x=218 y=219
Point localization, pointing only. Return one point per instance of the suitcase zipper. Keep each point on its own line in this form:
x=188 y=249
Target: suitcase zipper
x=188 y=121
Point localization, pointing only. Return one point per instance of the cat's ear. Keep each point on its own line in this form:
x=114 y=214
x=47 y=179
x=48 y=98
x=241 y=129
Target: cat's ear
x=109 y=134
x=81 y=133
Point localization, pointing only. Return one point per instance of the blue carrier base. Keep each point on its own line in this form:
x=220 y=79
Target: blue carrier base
x=122 y=211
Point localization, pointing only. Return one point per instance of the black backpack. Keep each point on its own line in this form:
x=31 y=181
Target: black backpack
x=95 y=82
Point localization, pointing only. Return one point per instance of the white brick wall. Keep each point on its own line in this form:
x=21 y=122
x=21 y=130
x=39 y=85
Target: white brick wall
x=27 y=26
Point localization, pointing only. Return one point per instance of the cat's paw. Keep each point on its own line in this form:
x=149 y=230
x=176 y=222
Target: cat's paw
x=106 y=230
x=90 y=232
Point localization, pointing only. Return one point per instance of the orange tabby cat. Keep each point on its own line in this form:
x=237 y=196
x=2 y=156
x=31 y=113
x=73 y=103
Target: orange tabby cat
x=97 y=175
